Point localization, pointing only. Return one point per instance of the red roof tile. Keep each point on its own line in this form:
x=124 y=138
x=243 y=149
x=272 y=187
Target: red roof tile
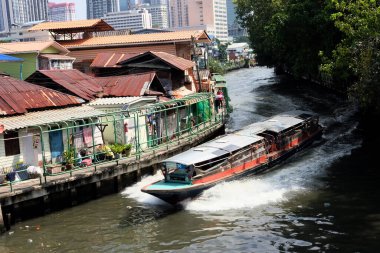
x=131 y=85
x=18 y=96
x=109 y=41
x=30 y=46
x=97 y=24
x=70 y=80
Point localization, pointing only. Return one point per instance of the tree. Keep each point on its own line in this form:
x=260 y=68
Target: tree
x=289 y=33
x=356 y=59
x=334 y=40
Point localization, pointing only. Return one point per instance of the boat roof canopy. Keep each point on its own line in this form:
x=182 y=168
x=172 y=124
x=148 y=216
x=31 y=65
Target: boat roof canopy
x=240 y=139
x=215 y=148
x=276 y=124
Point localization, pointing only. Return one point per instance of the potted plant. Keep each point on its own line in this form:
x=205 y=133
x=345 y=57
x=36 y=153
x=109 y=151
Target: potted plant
x=117 y=149
x=127 y=149
x=68 y=156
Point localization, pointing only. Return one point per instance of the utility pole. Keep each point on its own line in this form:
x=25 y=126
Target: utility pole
x=196 y=63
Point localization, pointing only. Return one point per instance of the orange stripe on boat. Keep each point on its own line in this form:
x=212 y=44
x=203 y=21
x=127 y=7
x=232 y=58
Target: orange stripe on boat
x=235 y=170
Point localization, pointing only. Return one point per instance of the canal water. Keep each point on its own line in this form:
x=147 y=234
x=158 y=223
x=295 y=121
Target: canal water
x=324 y=199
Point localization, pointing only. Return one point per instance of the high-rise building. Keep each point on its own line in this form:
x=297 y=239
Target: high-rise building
x=18 y=12
x=4 y=16
x=231 y=14
x=29 y=10
x=211 y=14
x=160 y=16
x=234 y=28
x=133 y=20
x=123 y=4
x=126 y=5
x=153 y=2
x=98 y=8
x=61 y=11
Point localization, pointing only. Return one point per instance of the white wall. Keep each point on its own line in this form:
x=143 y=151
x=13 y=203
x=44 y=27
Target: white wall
x=7 y=161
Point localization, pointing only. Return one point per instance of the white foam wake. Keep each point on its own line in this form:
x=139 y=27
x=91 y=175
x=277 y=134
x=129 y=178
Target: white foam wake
x=135 y=192
x=247 y=193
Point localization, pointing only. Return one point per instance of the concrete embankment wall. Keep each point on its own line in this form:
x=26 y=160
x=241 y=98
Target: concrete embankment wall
x=38 y=200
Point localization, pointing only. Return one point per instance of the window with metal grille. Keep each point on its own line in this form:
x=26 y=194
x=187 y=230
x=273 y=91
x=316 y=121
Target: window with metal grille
x=11 y=143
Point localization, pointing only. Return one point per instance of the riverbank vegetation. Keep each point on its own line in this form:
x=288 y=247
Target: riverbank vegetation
x=335 y=42
x=217 y=66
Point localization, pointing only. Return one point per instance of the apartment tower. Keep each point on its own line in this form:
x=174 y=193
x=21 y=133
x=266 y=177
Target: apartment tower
x=99 y=8
x=18 y=12
x=210 y=14
x=61 y=11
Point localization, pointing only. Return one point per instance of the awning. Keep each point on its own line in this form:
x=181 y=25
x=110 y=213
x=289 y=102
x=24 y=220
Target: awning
x=7 y=58
x=57 y=57
x=220 y=85
x=48 y=117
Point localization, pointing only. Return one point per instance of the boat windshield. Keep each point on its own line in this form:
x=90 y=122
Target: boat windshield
x=177 y=172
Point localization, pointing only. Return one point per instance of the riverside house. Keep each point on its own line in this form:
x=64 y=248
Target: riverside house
x=87 y=38
x=37 y=55
x=23 y=105
x=175 y=73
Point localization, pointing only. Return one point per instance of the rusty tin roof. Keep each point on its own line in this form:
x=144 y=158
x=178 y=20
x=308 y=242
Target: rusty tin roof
x=131 y=85
x=109 y=60
x=70 y=80
x=17 y=96
x=174 y=61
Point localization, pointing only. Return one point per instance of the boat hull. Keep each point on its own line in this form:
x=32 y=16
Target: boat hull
x=174 y=193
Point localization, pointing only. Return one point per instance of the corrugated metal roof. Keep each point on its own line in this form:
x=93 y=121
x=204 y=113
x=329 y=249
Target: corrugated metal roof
x=173 y=60
x=29 y=46
x=57 y=57
x=72 y=80
x=276 y=124
x=109 y=60
x=97 y=24
x=181 y=92
x=199 y=36
x=237 y=140
x=49 y=116
x=128 y=85
x=119 y=100
x=237 y=45
x=18 y=96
